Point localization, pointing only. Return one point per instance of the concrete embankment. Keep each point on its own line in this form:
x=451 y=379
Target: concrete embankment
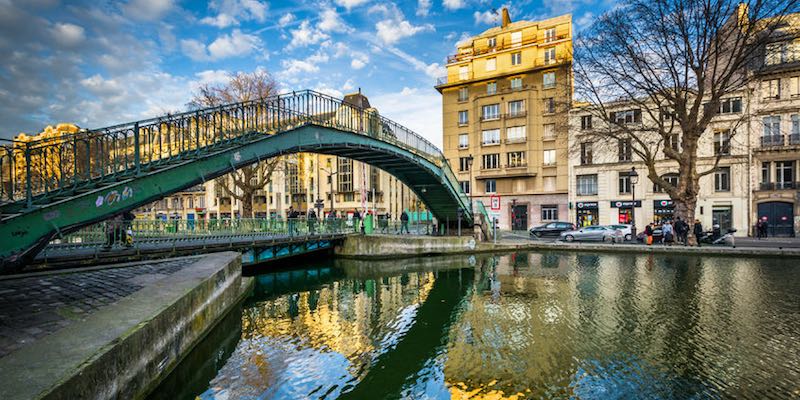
x=388 y=246
x=122 y=350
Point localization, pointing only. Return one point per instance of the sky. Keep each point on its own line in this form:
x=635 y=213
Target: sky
x=97 y=63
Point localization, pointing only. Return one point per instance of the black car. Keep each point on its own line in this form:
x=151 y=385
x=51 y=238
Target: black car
x=552 y=229
x=656 y=235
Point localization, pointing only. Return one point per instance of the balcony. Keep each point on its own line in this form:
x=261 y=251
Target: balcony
x=778 y=186
x=517 y=165
x=485 y=118
x=502 y=46
x=518 y=114
x=493 y=142
x=772 y=141
x=516 y=140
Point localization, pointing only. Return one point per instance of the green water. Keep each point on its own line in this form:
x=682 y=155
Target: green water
x=521 y=325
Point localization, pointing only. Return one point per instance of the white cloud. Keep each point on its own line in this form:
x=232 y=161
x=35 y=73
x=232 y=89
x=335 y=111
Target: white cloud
x=232 y=12
x=419 y=109
x=148 y=10
x=360 y=60
x=325 y=89
x=348 y=85
x=293 y=67
x=212 y=77
x=305 y=35
x=68 y=35
x=236 y=44
x=331 y=22
x=349 y=4
x=454 y=4
x=585 y=20
x=423 y=8
x=485 y=18
x=433 y=70
x=391 y=31
x=286 y=19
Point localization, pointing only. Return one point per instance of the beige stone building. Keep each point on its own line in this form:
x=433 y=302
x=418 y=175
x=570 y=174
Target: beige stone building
x=503 y=133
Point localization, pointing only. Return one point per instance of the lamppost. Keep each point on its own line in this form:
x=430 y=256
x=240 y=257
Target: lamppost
x=633 y=176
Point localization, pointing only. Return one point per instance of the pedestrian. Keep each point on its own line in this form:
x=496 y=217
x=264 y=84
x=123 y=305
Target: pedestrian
x=681 y=230
x=758 y=229
x=127 y=228
x=648 y=234
x=311 y=220
x=113 y=231
x=667 y=233
x=356 y=220
x=765 y=228
x=698 y=231
x=404 y=222
x=290 y=218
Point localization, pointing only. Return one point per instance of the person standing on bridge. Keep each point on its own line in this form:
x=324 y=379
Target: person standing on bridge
x=114 y=231
x=404 y=222
x=312 y=221
x=290 y=220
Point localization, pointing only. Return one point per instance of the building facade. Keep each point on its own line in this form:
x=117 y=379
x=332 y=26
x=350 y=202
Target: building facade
x=505 y=134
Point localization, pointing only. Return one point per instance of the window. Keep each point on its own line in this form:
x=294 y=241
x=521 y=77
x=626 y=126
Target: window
x=782 y=52
x=666 y=114
x=491 y=64
x=491 y=136
x=464 y=186
x=624 y=149
x=463 y=73
x=490 y=111
x=795 y=127
x=794 y=86
x=626 y=117
x=549 y=131
x=549 y=105
x=586 y=185
x=463 y=164
x=624 y=183
x=491 y=88
x=549 y=80
x=345 y=174
x=730 y=106
x=766 y=167
x=516 y=58
x=516 y=108
x=772 y=125
x=516 y=38
x=586 y=122
x=491 y=186
x=463 y=117
x=549 y=212
x=516 y=133
x=549 y=157
x=516 y=159
x=463 y=141
x=491 y=161
x=722 y=179
x=463 y=94
x=491 y=42
x=550 y=35
x=722 y=142
x=784 y=174
x=586 y=153
x=549 y=183
x=672 y=179
x=771 y=88
x=549 y=55
x=674 y=141
x=516 y=83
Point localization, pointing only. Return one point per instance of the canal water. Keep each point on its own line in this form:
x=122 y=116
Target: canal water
x=519 y=325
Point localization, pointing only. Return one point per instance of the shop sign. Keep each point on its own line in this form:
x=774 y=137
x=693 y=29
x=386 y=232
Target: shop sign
x=663 y=204
x=625 y=203
x=586 y=205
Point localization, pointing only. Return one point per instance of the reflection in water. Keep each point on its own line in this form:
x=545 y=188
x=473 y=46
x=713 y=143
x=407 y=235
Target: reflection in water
x=522 y=325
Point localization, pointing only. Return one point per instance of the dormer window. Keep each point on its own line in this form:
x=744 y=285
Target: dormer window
x=491 y=42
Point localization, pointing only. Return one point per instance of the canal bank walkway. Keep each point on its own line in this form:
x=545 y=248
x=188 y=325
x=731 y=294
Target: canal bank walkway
x=112 y=331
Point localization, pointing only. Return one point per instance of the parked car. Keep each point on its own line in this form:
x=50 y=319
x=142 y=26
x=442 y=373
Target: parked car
x=625 y=228
x=598 y=233
x=552 y=229
x=640 y=237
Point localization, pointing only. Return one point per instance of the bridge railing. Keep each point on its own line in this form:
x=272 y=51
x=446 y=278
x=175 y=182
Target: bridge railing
x=42 y=168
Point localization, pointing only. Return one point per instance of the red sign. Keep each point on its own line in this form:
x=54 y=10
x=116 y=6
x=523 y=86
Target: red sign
x=495 y=203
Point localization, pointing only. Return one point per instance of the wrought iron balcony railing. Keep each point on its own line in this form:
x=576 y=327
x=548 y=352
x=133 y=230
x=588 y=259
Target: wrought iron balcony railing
x=772 y=140
x=779 y=185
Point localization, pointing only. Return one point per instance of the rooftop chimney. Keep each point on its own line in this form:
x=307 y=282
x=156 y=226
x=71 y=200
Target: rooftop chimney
x=506 y=17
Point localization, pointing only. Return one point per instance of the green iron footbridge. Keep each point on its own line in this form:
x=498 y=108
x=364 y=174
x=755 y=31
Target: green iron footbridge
x=52 y=186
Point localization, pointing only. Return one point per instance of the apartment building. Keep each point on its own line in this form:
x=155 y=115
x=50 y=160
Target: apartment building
x=504 y=102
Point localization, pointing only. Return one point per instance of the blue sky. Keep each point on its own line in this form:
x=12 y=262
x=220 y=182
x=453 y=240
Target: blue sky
x=99 y=62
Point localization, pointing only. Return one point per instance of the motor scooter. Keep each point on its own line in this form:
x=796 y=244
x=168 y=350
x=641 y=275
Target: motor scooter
x=715 y=237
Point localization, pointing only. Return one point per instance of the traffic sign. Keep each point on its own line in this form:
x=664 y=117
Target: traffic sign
x=495 y=203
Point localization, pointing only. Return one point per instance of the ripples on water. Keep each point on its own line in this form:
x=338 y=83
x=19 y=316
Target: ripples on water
x=523 y=325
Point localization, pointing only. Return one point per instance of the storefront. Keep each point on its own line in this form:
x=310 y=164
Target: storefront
x=663 y=210
x=587 y=213
x=625 y=209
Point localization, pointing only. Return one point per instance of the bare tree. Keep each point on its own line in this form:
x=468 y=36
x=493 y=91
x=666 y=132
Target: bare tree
x=674 y=60
x=242 y=183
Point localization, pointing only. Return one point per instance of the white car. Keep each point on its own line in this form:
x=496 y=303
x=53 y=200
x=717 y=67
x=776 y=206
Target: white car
x=625 y=228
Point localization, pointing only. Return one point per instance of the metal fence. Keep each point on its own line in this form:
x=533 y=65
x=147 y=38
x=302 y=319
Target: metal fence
x=37 y=171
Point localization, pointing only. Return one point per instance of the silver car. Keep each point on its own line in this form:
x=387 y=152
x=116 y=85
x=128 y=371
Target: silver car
x=596 y=233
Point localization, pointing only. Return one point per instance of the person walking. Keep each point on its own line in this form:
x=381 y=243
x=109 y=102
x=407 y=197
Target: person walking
x=698 y=231
x=113 y=231
x=311 y=220
x=765 y=228
x=648 y=234
x=404 y=222
x=681 y=230
x=667 y=234
x=290 y=218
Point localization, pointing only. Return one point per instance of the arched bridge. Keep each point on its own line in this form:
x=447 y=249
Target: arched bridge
x=56 y=185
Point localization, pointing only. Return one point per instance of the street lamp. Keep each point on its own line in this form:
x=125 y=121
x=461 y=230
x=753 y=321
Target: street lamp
x=633 y=176
x=469 y=168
